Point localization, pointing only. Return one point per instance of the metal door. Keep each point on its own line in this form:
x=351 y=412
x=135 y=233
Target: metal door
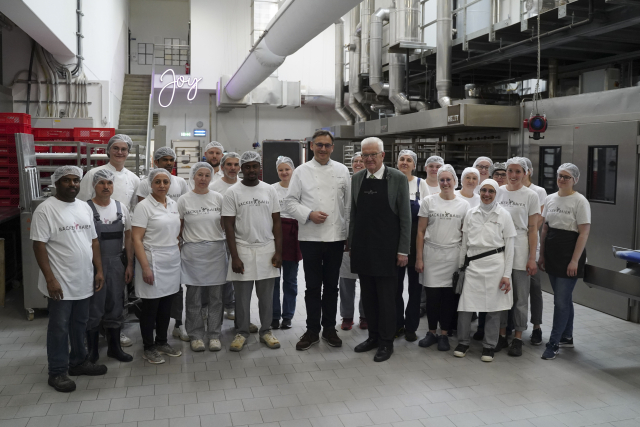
x=556 y=136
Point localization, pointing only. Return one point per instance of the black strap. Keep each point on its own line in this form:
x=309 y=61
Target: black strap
x=96 y=215
x=467 y=260
x=119 y=211
x=418 y=190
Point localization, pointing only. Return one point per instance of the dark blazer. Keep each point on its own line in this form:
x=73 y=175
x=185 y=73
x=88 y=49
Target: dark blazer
x=398 y=187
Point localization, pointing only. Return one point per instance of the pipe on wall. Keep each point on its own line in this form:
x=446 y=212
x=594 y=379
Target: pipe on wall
x=355 y=84
x=366 y=10
x=443 y=59
x=339 y=95
x=376 y=81
x=400 y=100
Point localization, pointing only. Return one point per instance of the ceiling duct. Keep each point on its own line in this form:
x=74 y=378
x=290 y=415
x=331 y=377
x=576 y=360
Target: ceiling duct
x=376 y=80
x=366 y=10
x=355 y=84
x=444 y=28
x=340 y=108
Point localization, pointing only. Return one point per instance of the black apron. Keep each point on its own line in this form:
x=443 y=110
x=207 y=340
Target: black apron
x=558 y=251
x=376 y=234
x=415 y=208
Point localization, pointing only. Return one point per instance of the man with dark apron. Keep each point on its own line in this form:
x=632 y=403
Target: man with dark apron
x=379 y=236
x=111 y=219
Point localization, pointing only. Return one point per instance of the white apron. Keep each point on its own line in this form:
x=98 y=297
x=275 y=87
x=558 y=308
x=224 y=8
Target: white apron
x=204 y=263
x=520 y=252
x=345 y=268
x=257 y=263
x=440 y=262
x=165 y=265
x=481 y=291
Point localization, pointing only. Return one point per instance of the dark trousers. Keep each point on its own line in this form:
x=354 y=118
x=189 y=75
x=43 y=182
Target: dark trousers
x=441 y=307
x=67 y=327
x=156 y=313
x=409 y=318
x=107 y=305
x=321 y=262
x=289 y=272
x=379 y=299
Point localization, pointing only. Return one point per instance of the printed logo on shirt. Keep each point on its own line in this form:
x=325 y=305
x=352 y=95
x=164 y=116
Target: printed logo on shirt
x=559 y=211
x=444 y=215
x=254 y=202
x=202 y=211
x=370 y=192
x=106 y=221
x=508 y=203
x=75 y=227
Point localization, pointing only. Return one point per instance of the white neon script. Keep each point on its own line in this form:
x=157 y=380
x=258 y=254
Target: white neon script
x=179 y=82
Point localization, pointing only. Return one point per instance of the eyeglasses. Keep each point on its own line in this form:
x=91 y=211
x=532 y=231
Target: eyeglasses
x=564 y=177
x=321 y=146
x=120 y=150
x=500 y=175
x=482 y=168
x=370 y=156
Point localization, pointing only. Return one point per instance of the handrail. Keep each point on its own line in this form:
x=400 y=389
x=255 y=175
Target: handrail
x=147 y=148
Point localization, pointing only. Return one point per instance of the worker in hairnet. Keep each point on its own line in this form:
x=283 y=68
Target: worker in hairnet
x=125 y=184
x=431 y=167
x=213 y=153
x=165 y=158
x=113 y=226
x=499 y=173
x=484 y=165
x=66 y=248
x=251 y=215
x=524 y=206
x=469 y=181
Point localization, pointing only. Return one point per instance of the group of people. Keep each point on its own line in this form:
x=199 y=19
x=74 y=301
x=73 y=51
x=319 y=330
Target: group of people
x=467 y=251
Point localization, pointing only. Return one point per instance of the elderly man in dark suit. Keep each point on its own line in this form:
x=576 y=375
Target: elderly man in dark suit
x=379 y=237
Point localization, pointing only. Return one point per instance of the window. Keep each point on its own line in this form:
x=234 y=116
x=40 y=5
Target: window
x=145 y=53
x=602 y=174
x=550 y=158
x=175 y=52
x=262 y=11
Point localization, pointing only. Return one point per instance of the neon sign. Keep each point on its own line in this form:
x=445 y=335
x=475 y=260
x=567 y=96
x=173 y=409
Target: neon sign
x=180 y=82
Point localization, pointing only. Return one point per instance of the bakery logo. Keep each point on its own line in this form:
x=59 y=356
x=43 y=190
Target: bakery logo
x=202 y=211
x=370 y=192
x=254 y=202
x=559 y=211
x=444 y=215
x=511 y=203
x=74 y=227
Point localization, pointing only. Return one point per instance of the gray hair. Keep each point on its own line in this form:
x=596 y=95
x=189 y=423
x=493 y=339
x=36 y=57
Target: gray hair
x=372 y=140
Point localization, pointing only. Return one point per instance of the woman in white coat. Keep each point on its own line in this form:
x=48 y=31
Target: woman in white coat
x=437 y=251
x=155 y=228
x=487 y=254
x=470 y=180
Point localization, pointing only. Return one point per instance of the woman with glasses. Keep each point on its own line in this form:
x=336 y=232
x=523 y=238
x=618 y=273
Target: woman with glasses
x=567 y=222
x=499 y=173
x=484 y=165
x=438 y=248
x=470 y=179
x=431 y=167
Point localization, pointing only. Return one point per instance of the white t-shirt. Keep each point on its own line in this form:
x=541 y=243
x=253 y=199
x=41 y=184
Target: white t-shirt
x=220 y=186
x=433 y=190
x=109 y=214
x=566 y=213
x=413 y=188
x=68 y=231
x=521 y=204
x=178 y=188
x=541 y=192
x=473 y=202
x=252 y=207
x=445 y=219
x=162 y=224
x=282 y=193
x=201 y=215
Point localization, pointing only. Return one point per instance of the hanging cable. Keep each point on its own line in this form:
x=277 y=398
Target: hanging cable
x=536 y=94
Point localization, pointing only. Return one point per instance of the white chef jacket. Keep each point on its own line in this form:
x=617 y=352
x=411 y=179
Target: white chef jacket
x=326 y=188
x=125 y=186
x=177 y=188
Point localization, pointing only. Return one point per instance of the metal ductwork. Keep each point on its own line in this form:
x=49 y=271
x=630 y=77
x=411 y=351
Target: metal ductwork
x=400 y=100
x=296 y=23
x=553 y=78
x=355 y=84
x=366 y=10
x=339 y=101
x=376 y=80
x=444 y=27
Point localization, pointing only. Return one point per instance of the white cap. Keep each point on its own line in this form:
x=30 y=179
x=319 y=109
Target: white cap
x=66 y=170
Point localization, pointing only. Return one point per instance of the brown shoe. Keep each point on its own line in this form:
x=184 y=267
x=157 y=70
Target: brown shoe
x=331 y=337
x=307 y=340
x=363 y=323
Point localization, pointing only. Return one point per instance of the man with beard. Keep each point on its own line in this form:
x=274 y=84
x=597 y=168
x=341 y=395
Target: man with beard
x=213 y=153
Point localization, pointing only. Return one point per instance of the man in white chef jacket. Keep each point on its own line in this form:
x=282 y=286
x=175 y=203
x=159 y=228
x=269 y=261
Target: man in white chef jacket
x=213 y=153
x=320 y=200
x=66 y=248
x=125 y=184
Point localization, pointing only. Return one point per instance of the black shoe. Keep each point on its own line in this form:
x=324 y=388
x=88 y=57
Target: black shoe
x=400 y=332
x=536 y=336
x=383 y=353
x=487 y=355
x=515 y=350
x=286 y=324
x=451 y=332
x=509 y=332
x=551 y=351
x=115 y=347
x=410 y=336
x=443 y=343
x=566 y=342
x=429 y=340
x=88 y=368
x=92 y=344
x=479 y=335
x=502 y=343
x=275 y=324
x=307 y=339
x=461 y=350
x=331 y=337
x=367 y=345
x=61 y=383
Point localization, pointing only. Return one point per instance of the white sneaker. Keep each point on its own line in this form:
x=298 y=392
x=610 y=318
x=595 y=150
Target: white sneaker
x=125 y=341
x=238 y=343
x=230 y=313
x=270 y=340
x=197 y=345
x=215 y=345
x=181 y=333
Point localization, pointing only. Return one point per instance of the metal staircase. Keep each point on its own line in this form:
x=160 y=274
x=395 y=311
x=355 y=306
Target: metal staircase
x=134 y=111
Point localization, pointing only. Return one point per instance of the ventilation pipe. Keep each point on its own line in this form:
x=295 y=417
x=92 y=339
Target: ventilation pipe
x=553 y=77
x=296 y=23
x=400 y=100
x=366 y=10
x=355 y=85
x=444 y=28
x=340 y=108
x=375 y=51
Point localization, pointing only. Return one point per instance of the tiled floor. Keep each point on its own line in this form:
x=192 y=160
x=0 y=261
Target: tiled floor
x=597 y=383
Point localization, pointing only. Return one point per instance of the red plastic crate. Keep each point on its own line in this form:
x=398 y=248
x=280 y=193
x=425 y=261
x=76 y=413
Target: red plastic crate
x=8 y=160
x=41 y=148
x=43 y=134
x=10 y=192
x=8 y=140
x=81 y=134
x=9 y=201
x=15 y=118
x=9 y=181
x=9 y=171
x=64 y=149
x=7 y=129
x=7 y=150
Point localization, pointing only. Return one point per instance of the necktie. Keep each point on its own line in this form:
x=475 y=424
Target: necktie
x=372 y=176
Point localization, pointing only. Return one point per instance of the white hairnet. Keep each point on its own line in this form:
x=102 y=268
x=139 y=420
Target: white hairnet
x=490 y=182
x=451 y=170
x=231 y=155
x=467 y=171
x=498 y=166
x=119 y=138
x=66 y=170
x=249 y=156
x=102 y=174
x=213 y=144
x=164 y=151
x=409 y=153
x=434 y=159
x=572 y=170
x=529 y=164
x=520 y=161
x=200 y=165
x=482 y=159
x=285 y=159
x=158 y=171
x=358 y=154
